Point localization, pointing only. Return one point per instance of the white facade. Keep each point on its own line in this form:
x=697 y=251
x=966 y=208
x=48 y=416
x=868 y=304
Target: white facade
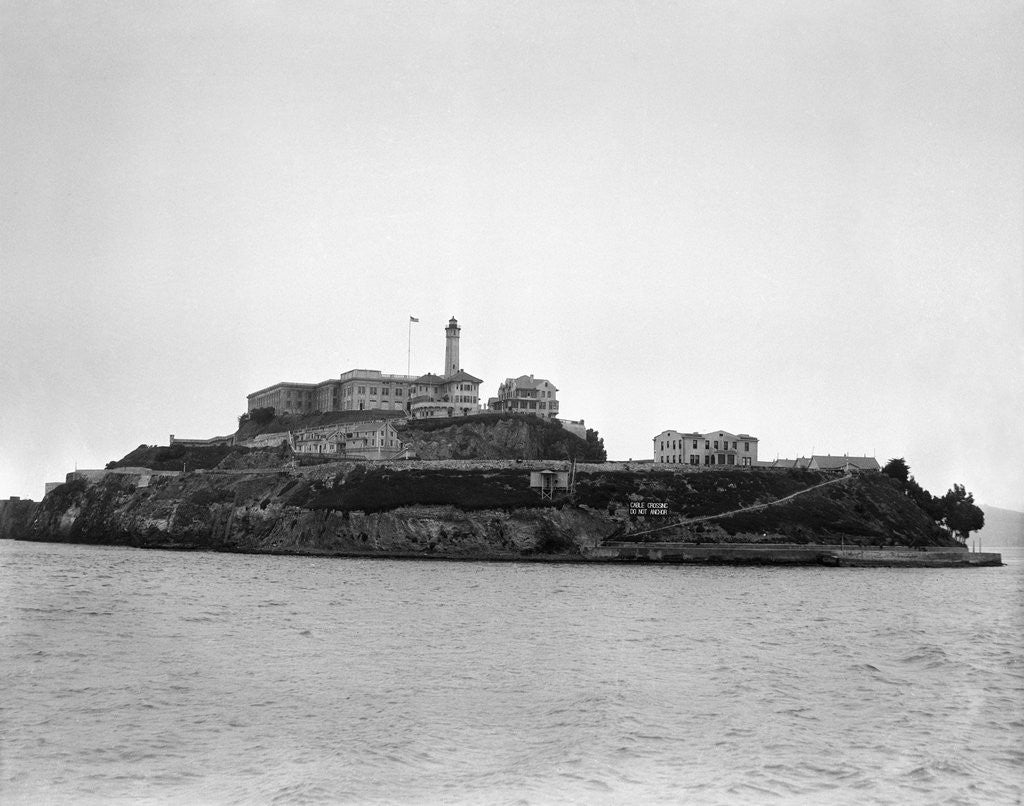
x=714 y=448
x=527 y=395
x=452 y=394
x=372 y=439
x=455 y=395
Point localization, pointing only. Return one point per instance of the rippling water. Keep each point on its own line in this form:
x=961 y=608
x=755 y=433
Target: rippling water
x=150 y=676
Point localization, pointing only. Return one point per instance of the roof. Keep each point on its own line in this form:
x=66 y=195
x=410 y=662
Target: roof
x=462 y=375
x=724 y=433
x=839 y=462
x=529 y=382
x=430 y=379
x=283 y=385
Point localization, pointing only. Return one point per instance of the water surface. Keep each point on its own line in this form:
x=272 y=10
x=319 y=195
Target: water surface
x=162 y=677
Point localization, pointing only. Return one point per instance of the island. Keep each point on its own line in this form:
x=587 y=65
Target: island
x=498 y=487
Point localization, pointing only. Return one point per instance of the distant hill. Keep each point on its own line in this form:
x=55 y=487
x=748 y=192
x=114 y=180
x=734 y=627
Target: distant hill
x=1003 y=527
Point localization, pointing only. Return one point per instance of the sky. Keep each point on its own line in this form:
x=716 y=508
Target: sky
x=798 y=220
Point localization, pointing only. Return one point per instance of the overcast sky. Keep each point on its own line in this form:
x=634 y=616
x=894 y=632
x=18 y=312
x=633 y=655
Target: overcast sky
x=798 y=220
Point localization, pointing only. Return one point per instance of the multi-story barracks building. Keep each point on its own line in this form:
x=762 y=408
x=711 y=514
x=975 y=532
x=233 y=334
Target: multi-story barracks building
x=704 y=450
x=452 y=394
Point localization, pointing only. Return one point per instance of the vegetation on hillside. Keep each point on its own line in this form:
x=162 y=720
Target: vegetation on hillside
x=955 y=511
x=175 y=457
x=267 y=421
x=499 y=435
x=374 y=489
x=200 y=457
x=868 y=509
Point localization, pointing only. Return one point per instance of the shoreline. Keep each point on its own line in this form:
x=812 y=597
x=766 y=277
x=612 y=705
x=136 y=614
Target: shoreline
x=718 y=554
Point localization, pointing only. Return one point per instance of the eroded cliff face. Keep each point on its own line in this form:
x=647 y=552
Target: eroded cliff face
x=260 y=512
x=15 y=516
x=484 y=512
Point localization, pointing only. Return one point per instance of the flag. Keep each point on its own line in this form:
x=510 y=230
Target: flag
x=413 y=319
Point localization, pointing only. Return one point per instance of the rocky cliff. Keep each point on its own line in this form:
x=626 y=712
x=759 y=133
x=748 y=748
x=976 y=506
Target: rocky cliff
x=498 y=436
x=469 y=510
x=15 y=516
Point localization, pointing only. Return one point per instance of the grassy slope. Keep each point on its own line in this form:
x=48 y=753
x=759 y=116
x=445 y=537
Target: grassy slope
x=868 y=508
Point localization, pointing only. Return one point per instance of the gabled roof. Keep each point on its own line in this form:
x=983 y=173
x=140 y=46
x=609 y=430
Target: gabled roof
x=529 y=382
x=723 y=432
x=462 y=376
x=430 y=379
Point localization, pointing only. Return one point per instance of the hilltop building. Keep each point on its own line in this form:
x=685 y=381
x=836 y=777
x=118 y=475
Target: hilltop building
x=705 y=450
x=527 y=395
x=452 y=394
x=373 y=439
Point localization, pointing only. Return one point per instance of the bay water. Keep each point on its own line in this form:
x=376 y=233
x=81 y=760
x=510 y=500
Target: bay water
x=134 y=676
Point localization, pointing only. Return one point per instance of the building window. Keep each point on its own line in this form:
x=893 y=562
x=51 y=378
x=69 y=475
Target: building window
x=707 y=444
x=695 y=444
x=361 y=390
x=716 y=444
x=734 y=445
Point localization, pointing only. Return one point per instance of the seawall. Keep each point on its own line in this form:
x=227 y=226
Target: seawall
x=792 y=554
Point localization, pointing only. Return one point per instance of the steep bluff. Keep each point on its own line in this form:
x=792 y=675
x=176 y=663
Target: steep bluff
x=469 y=510
x=498 y=436
x=15 y=516
x=488 y=435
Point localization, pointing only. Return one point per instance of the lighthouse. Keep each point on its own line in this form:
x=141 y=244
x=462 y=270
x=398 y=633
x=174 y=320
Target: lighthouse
x=451 y=347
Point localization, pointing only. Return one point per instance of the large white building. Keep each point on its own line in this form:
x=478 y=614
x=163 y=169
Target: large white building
x=527 y=395
x=705 y=450
x=453 y=393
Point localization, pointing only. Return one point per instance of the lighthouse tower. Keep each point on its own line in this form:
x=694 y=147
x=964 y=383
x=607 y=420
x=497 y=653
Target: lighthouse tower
x=451 y=347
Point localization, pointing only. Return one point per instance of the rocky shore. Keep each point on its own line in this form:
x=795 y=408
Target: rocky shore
x=486 y=510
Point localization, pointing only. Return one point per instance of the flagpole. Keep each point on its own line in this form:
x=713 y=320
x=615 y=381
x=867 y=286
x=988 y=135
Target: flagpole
x=408 y=363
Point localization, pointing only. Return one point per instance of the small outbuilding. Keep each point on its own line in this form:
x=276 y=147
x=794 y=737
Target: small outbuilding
x=549 y=482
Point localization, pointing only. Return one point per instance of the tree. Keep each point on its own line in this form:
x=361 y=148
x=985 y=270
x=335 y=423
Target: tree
x=924 y=499
x=262 y=416
x=960 y=513
x=595 y=451
x=897 y=469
